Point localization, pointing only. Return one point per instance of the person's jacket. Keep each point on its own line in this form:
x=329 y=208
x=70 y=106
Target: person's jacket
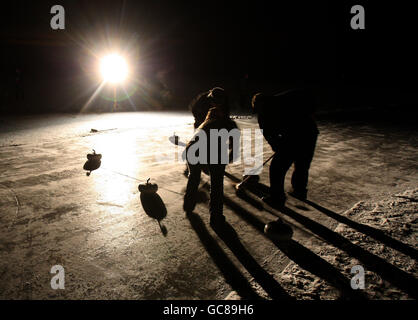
x=233 y=145
x=199 y=107
x=287 y=118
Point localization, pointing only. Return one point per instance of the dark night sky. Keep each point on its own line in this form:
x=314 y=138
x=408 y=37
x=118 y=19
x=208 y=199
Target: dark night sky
x=290 y=42
x=193 y=36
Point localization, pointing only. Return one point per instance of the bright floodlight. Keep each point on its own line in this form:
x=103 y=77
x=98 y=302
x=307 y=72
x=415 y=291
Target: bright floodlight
x=114 y=68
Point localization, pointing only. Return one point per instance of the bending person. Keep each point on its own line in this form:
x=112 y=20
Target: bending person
x=204 y=150
x=289 y=127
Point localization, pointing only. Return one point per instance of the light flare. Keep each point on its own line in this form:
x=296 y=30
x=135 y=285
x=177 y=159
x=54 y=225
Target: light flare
x=114 y=68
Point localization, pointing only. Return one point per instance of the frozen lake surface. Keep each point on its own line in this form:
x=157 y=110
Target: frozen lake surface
x=96 y=226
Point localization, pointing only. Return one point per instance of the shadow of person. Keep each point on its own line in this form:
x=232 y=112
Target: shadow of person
x=242 y=194
x=155 y=208
x=201 y=195
x=301 y=255
x=232 y=177
x=256 y=188
x=386 y=270
x=91 y=165
x=231 y=273
x=367 y=230
x=259 y=189
x=230 y=237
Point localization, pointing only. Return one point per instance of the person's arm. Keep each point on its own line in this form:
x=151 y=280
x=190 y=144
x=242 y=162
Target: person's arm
x=199 y=107
x=192 y=141
x=195 y=137
x=270 y=133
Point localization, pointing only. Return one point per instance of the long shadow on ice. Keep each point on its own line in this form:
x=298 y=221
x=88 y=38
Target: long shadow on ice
x=155 y=208
x=257 y=189
x=301 y=255
x=91 y=165
x=230 y=272
x=387 y=271
x=370 y=261
x=266 y=281
x=367 y=230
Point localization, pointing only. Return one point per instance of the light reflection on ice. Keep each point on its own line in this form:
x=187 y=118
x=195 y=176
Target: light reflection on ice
x=53 y=127
x=118 y=156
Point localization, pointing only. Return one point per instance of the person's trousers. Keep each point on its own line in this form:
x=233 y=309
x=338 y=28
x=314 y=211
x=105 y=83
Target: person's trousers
x=299 y=153
x=216 y=172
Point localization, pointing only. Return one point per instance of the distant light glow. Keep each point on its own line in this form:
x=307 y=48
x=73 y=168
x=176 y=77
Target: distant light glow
x=114 y=68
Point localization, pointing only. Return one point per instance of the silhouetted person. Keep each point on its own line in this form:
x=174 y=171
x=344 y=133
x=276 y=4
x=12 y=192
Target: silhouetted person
x=289 y=127
x=217 y=118
x=199 y=107
x=204 y=101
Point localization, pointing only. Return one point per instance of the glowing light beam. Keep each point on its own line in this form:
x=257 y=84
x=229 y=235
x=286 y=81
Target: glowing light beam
x=94 y=95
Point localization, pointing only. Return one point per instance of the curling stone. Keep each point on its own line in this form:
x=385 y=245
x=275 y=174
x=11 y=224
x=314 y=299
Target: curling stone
x=94 y=156
x=278 y=230
x=148 y=187
x=93 y=162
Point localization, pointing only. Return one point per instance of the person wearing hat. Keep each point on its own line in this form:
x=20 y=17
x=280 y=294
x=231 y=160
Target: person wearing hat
x=199 y=107
x=217 y=118
x=218 y=98
x=289 y=127
x=201 y=104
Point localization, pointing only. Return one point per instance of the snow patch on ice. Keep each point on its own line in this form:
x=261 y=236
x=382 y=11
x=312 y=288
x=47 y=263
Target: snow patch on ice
x=396 y=216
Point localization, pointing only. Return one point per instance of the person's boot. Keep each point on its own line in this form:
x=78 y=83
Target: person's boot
x=188 y=205
x=299 y=194
x=186 y=172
